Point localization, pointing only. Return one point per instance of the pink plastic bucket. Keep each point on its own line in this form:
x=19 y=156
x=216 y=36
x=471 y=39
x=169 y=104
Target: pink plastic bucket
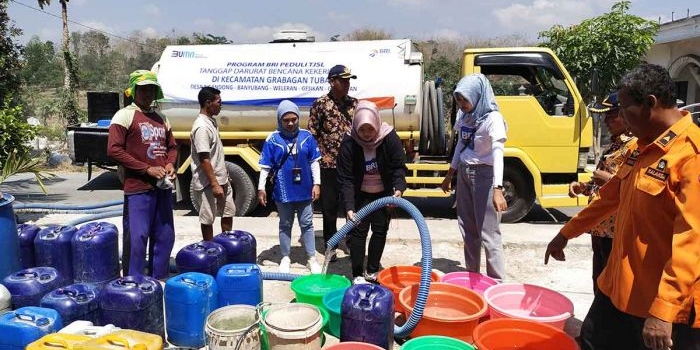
x=529 y=302
x=472 y=280
x=352 y=345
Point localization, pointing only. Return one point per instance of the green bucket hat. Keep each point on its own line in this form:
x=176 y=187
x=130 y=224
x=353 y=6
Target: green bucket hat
x=143 y=77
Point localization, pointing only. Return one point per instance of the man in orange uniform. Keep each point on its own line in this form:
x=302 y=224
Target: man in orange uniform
x=650 y=286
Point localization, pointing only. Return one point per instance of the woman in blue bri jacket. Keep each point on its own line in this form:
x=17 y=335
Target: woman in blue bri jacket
x=371 y=165
x=292 y=155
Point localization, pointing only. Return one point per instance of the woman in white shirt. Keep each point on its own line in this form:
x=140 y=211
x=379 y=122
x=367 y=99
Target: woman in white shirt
x=478 y=164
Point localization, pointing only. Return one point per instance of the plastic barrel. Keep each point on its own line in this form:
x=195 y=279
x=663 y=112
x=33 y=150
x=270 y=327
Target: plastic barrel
x=367 y=313
x=28 y=286
x=239 y=284
x=52 y=247
x=189 y=299
x=133 y=302
x=27 y=233
x=95 y=249
x=204 y=257
x=74 y=302
x=9 y=249
x=240 y=246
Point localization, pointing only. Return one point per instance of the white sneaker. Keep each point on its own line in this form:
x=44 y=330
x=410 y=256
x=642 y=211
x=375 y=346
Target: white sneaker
x=371 y=277
x=313 y=266
x=359 y=280
x=284 y=264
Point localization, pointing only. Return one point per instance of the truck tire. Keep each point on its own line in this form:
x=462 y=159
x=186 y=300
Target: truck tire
x=244 y=194
x=518 y=193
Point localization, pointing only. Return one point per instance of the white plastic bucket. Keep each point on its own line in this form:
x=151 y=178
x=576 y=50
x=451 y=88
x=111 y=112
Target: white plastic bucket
x=5 y=299
x=293 y=326
x=224 y=327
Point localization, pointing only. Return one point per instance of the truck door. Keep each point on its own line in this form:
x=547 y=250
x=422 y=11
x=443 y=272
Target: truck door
x=538 y=105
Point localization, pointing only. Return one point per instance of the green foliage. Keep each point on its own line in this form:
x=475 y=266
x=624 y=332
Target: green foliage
x=614 y=42
x=14 y=132
x=42 y=67
x=10 y=64
x=16 y=163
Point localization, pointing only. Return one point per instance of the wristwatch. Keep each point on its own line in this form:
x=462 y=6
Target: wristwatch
x=499 y=187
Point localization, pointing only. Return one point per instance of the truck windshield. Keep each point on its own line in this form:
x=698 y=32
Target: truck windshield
x=537 y=78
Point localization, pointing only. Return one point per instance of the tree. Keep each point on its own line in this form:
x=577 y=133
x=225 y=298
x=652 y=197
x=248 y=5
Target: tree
x=614 y=42
x=10 y=63
x=208 y=39
x=368 y=34
x=70 y=74
x=41 y=67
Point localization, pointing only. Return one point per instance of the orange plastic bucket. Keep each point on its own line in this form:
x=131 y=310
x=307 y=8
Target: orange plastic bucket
x=399 y=277
x=511 y=333
x=353 y=345
x=451 y=310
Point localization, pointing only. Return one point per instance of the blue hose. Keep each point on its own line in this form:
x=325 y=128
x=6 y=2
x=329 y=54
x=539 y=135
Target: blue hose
x=103 y=215
x=68 y=211
x=279 y=276
x=68 y=206
x=426 y=254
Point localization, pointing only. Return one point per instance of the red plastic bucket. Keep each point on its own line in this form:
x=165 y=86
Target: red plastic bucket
x=529 y=302
x=398 y=277
x=353 y=345
x=450 y=310
x=472 y=280
x=509 y=333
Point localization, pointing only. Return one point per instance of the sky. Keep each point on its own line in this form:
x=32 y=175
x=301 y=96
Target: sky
x=256 y=21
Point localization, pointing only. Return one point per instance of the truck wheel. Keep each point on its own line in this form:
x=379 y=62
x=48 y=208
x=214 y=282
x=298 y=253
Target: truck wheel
x=518 y=194
x=244 y=194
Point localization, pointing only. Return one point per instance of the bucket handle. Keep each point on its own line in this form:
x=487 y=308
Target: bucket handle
x=27 y=274
x=255 y=326
x=54 y=340
x=117 y=341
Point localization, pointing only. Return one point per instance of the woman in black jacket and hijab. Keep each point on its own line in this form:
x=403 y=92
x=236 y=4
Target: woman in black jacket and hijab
x=371 y=165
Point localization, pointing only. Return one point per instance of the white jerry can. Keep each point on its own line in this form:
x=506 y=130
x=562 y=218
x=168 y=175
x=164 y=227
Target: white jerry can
x=87 y=328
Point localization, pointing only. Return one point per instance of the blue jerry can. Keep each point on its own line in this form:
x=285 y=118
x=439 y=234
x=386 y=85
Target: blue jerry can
x=21 y=327
x=95 y=249
x=133 y=302
x=189 y=299
x=240 y=246
x=239 y=284
x=28 y=286
x=74 y=302
x=205 y=257
x=52 y=247
x=367 y=315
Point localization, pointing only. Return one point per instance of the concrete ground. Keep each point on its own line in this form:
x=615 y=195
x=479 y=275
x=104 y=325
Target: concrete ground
x=524 y=242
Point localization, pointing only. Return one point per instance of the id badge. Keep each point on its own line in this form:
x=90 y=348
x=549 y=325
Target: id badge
x=296 y=176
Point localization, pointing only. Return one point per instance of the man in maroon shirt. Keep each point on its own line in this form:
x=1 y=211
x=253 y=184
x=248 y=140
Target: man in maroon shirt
x=141 y=141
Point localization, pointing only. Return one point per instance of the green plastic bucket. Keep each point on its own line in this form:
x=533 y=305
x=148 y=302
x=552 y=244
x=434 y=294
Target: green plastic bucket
x=436 y=342
x=332 y=302
x=310 y=289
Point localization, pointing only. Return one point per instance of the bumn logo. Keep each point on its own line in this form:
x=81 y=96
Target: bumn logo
x=183 y=54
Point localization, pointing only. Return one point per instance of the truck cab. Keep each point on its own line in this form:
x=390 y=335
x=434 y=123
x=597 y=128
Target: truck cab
x=549 y=128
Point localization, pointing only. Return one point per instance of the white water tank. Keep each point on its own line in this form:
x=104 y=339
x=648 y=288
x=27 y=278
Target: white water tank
x=293 y=35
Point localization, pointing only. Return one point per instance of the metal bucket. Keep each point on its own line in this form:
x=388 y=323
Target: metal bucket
x=233 y=327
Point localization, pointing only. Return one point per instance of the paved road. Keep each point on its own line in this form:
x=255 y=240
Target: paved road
x=524 y=242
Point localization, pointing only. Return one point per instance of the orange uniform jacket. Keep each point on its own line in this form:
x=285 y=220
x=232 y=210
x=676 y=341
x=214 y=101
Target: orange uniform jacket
x=654 y=266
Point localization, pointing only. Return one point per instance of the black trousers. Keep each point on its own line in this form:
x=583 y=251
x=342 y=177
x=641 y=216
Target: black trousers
x=330 y=201
x=607 y=328
x=601 y=252
x=379 y=222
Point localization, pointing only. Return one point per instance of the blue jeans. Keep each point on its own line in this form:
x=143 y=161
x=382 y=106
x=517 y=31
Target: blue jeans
x=305 y=215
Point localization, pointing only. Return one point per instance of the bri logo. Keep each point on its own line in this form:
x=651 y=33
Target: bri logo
x=185 y=54
x=374 y=52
